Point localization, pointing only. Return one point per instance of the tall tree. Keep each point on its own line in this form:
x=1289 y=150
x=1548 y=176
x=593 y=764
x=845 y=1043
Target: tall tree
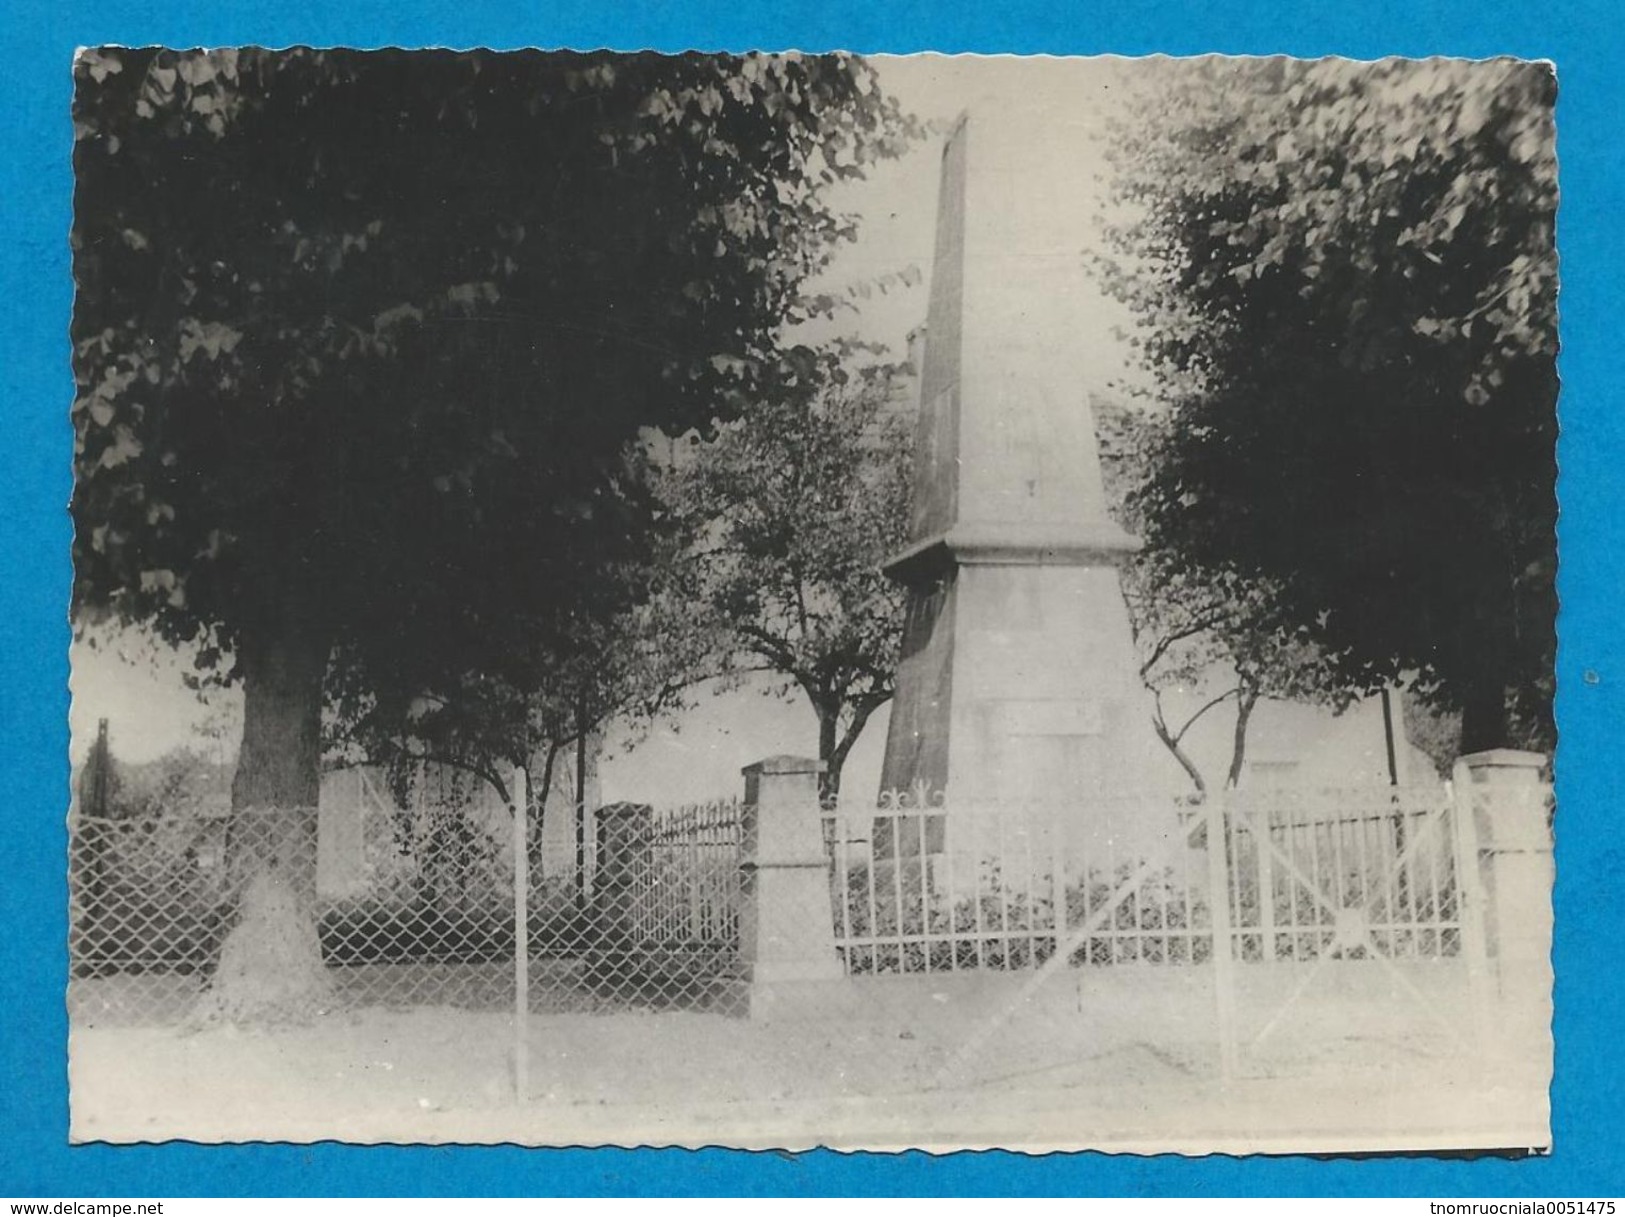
x=630 y=653
x=1212 y=640
x=793 y=510
x=1344 y=277
x=361 y=338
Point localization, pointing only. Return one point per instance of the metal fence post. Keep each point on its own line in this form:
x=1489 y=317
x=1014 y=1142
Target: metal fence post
x=1224 y=966
x=1262 y=847
x=521 y=935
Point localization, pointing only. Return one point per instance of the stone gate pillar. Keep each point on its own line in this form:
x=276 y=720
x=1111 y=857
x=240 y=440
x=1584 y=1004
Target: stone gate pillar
x=623 y=855
x=786 y=928
x=1504 y=791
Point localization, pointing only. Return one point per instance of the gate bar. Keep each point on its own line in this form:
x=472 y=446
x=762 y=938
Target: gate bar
x=1058 y=962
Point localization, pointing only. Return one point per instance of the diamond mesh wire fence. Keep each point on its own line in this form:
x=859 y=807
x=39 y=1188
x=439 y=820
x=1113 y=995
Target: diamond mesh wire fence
x=406 y=904
x=148 y=906
x=655 y=926
x=410 y=898
x=166 y=912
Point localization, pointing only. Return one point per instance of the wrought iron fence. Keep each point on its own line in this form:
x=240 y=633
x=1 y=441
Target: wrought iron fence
x=1356 y=872
x=658 y=928
x=932 y=886
x=928 y=885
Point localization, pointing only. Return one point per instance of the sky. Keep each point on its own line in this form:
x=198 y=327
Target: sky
x=1048 y=114
x=1052 y=110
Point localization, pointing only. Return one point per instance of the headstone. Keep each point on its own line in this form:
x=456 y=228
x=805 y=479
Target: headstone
x=624 y=831
x=341 y=815
x=1019 y=675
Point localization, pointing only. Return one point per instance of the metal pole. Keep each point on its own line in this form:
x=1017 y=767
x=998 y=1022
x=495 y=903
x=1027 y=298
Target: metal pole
x=94 y=796
x=1224 y=967
x=581 y=799
x=1388 y=736
x=521 y=935
x=1402 y=880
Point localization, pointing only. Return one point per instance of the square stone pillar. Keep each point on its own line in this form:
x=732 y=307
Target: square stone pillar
x=786 y=927
x=1508 y=799
x=623 y=857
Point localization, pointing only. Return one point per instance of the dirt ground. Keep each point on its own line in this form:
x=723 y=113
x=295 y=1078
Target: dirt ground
x=1120 y=1059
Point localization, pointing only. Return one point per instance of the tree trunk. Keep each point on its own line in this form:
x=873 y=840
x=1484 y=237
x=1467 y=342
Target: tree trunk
x=540 y=783
x=829 y=782
x=862 y=708
x=1185 y=762
x=270 y=962
x=1238 y=748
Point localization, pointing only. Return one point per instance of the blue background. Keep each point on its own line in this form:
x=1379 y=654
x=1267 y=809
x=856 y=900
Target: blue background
x=35 y=389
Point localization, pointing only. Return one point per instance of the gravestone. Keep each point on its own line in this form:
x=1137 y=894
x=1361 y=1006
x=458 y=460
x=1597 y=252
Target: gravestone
x=1018 y=676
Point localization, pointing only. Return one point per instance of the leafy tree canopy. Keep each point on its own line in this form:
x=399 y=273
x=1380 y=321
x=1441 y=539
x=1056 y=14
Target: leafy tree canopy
x=792 y=511
x=361 y=338
x=1344 y=279
x=1216 y=635
x=629 y=652
x=361 y=342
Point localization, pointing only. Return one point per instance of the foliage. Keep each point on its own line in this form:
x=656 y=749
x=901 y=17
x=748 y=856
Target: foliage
x=1009 y=923
x=361 y=337
x=1436 y=734
x=1219 y=635
x=626 y=654
x=1344 y=279
x=181 y=784
x=793 y=510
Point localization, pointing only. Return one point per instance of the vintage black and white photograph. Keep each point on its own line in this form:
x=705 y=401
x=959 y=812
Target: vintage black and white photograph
x=783 y=600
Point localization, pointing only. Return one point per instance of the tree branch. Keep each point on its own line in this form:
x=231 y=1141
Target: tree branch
x=1167 y=643
x=1173 y=747
x=772 y=648
x=1189 y=722
x=400 y=752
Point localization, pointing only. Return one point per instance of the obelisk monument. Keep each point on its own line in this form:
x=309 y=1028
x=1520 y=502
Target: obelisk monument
x=1018 y=676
